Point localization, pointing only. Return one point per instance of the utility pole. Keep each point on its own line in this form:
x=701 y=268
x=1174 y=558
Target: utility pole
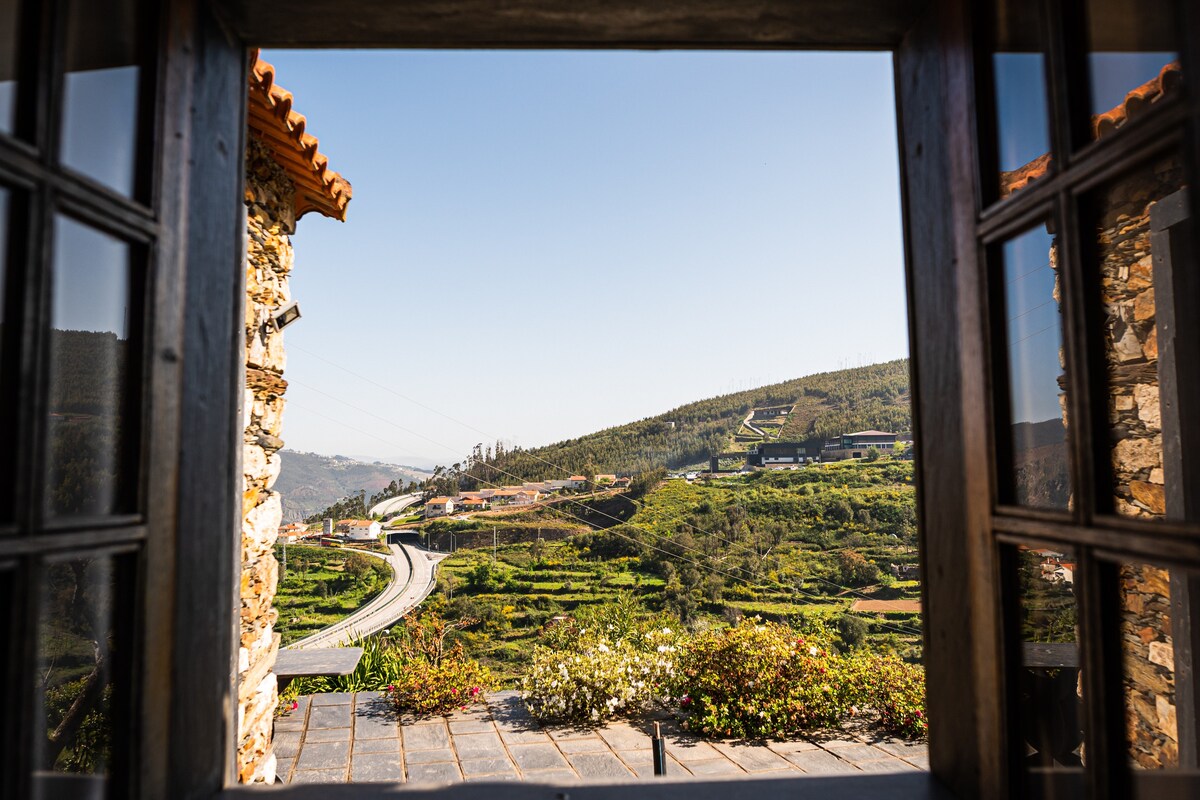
x=493 y=545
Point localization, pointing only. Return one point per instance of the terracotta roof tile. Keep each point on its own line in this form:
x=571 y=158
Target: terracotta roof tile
x=281 y=129
x=1135 y=102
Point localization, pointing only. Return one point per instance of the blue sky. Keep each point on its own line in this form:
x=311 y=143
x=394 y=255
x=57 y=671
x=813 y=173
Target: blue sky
x=543 y=244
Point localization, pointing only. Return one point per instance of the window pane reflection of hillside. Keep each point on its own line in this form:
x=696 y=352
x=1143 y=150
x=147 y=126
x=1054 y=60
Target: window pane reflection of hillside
x=89 y=364
x=1036 y=382
x=75 y=672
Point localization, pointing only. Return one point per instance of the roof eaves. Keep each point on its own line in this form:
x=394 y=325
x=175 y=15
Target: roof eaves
x=282 y=130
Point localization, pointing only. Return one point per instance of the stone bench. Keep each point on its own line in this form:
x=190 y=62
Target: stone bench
x=316 y=663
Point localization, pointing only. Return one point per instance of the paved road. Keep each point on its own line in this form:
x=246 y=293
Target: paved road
x=394 y=505
x=414 y=573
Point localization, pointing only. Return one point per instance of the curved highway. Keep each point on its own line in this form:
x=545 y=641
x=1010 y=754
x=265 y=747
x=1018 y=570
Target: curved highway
x=414 y=572
x=394 y=505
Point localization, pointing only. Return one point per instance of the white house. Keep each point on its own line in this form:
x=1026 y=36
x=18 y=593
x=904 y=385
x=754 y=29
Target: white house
x=439 y=507
x=525 y=498
x=360 y=530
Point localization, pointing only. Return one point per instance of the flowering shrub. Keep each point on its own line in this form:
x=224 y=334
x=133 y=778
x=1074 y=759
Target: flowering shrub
x=436 y=677
x=596 y=682
x=757 y=679
x=892 y=689
x=605 y=662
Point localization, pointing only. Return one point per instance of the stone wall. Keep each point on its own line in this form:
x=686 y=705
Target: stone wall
x=270 y=207
x=1131 y=353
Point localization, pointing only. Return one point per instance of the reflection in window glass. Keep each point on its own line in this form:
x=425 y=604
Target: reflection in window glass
x=90 y=358
x=1019 y=83
x=100 y=88
x=1132 y=59
x=1148 y=653
x=8 y=64
x=1050 y=686
x=1033 y=327
x=74 y=680
x=1128 y=255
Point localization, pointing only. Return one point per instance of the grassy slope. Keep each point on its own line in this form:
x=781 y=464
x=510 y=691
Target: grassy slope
x=875 y=396
x=303 y=607
x=766 y=544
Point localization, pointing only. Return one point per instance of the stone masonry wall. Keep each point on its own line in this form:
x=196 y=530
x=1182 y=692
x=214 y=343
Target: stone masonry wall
x=1131 y=349
x=270 y=204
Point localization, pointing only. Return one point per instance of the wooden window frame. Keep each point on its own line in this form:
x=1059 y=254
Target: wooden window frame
x=1101 y=539
x=185 y=735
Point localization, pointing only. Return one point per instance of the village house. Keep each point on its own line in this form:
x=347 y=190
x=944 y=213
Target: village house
x=439 y=507
x=766 y=454
x=525 y=497
x=857 y=445
x=360 y=530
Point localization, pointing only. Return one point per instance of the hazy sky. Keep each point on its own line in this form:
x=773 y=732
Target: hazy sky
x=543 y=244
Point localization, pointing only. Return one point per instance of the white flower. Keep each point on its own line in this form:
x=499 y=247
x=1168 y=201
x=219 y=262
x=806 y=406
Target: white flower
x=812 y=651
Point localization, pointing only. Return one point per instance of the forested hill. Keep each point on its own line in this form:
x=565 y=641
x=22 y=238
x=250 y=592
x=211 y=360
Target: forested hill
x=823 y=405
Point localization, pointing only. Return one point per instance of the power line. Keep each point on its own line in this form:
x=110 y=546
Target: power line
x=561 y=469
x=697 y=564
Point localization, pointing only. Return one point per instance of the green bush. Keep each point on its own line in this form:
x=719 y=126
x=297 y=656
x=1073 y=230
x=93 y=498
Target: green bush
x=893 y=689
x=438 y=676
x=761 y=679
x=415 y=664
x=607 y=661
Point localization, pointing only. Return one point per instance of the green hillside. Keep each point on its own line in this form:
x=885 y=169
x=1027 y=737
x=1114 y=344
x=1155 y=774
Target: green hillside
x=829 y=403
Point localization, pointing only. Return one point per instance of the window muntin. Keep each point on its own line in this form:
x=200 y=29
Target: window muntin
x=1035 y=431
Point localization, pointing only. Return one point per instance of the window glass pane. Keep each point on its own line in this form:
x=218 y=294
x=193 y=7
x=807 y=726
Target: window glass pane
x=8 y=64
x=1132 y=59
x=91 y=358
x=1019 y=85
x=1148 y=650
x=1037 y=435
x=7 y=402
x=77 y=653
x=1131 y=259
x=100 y=91
x=1050 y=688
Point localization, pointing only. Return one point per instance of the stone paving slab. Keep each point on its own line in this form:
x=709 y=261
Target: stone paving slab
x=343 y=737
x=377 y=768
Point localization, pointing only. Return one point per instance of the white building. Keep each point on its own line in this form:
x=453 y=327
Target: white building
x=360 y=530
x=439 y=507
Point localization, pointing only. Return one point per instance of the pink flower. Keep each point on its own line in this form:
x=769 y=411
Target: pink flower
x=391 y=687
x=295 y=704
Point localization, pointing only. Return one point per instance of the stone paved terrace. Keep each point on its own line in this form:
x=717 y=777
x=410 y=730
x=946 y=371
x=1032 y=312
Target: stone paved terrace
x=358 y=738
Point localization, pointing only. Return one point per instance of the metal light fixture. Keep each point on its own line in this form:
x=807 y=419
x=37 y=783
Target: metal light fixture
x=286 y=316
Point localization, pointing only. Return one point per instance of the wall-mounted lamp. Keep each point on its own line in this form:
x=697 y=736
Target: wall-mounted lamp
x=286 y=316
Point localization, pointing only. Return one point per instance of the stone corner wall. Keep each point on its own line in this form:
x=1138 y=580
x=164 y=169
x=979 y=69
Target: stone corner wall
x=270 y=204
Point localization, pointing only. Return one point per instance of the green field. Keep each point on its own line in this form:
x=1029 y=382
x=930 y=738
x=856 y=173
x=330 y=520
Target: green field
x=790 y=546
x=322 y=585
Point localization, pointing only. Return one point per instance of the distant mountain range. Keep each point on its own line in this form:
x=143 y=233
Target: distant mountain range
x=310 y=482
